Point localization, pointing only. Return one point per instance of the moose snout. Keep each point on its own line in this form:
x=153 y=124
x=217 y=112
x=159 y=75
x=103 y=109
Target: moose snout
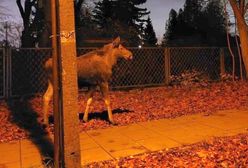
x=130 y=57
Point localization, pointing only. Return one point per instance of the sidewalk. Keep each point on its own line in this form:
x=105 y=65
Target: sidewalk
x=121 y=141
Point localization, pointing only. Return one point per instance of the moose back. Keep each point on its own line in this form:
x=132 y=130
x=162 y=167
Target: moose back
x=94 y=69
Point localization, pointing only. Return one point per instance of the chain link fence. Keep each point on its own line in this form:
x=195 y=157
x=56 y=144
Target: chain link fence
x=27 y=73
x=2 y=72
x=203 y=60
x=149 y=67
x=146 y=68
x=238 y=64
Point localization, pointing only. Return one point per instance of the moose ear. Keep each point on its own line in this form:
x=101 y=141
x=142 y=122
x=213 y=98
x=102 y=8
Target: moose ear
x=117 y=42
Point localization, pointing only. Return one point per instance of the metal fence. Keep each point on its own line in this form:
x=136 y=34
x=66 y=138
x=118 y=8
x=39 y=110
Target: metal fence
x=2 y=72
x=146 y=68
x=227 y=60
x=205 y=60
x=21 y=70
x=27 y=75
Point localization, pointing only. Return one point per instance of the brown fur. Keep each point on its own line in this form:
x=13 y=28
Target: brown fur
x=94 y=69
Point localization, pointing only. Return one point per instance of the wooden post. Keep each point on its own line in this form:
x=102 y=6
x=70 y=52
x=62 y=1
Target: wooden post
x=56 y=96
x=67 y=144
x=222 y=62
x=167 y=65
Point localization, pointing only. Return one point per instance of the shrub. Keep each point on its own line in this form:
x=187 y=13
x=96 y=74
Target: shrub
x=190 y=77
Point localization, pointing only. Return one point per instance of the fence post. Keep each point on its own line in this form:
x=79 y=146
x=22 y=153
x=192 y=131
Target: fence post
x=7 y=72
x=3 y=50
x=222 y=62
x=167 y=65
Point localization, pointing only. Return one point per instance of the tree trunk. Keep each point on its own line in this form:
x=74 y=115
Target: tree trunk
x=243 y=33
x=67 y=122
x=244 y=45
x=45 y=39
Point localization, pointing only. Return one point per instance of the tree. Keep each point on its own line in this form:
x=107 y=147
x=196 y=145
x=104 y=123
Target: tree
x=37 y=21
x=33 y=22
x=103 y=13
x=10 y=33
x=239 y=8
x=130 y=15
x=179 y=28
x=78 y=11
x=191 y=14
x=170 y=28
x=184 y=27
x=214 y=31
x=122 y=18
x=85 y=27
x=3 y=11
x=199 y=23
x=150 y=38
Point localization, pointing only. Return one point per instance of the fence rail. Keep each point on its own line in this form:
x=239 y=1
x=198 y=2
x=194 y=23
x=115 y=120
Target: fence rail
x=21 y=70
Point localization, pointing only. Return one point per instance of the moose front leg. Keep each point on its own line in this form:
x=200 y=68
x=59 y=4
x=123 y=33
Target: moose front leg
x=89 y=101
x=46 y=99
x=105 y=92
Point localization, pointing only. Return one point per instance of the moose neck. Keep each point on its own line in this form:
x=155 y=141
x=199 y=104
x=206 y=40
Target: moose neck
x=111 y=59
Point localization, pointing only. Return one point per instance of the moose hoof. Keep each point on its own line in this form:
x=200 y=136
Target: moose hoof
x=85 y=120
x=45 y=123
x=112 y=122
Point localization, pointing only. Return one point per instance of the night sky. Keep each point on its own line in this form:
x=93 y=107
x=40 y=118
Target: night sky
x=159 y=11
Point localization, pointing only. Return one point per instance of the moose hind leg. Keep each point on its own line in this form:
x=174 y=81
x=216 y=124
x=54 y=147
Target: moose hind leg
x=89 y=101
x=46 y=99
x=105 y=92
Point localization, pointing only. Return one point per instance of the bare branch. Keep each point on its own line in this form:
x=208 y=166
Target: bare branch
x=236 y=9
x=246 y=8
x=18 y=2
x=28 y=7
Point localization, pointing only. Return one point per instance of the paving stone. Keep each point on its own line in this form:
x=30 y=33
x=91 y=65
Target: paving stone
x=28 y=147
x=11 y=165
x=139 y=134
x=11 y=146
x=11 y=156
x=121 y=141
x=87 y=143
x=134 y=150
x=94 y=155
x=158 y=143
x=31 y=160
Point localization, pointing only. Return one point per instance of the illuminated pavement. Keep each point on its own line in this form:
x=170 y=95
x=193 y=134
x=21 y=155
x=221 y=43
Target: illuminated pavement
x=116 y=142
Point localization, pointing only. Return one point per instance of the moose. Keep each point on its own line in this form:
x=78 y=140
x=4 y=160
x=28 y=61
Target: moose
x=94 y=70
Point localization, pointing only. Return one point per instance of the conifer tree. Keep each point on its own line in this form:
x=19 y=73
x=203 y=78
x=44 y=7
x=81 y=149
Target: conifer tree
x=121 y=18
x=170 y=28
x=150 y=38
x=213 y=29
x=191 y=14
x=199 y=23
x=103 y=13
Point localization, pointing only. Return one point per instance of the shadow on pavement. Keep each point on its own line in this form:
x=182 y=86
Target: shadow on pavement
x=26 y=118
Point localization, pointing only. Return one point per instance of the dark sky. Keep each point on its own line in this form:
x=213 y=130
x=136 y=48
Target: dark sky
x=159 y=11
